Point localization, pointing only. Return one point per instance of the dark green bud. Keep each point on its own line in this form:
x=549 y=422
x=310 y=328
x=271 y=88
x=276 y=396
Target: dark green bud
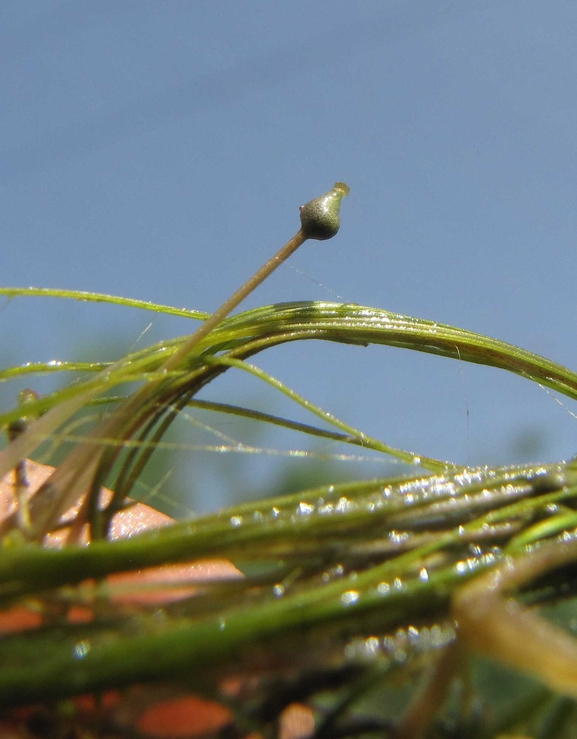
x=320 y=218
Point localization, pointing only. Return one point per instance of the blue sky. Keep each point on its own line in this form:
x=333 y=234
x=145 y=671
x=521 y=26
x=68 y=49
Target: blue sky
x=160 y=150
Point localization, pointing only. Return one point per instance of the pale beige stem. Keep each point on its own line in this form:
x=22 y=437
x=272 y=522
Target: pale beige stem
x=229 y=305
x=493 y=624
x=73 y=476
x=319 y=220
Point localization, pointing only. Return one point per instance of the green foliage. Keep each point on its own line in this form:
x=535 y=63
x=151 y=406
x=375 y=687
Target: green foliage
x=353 y=592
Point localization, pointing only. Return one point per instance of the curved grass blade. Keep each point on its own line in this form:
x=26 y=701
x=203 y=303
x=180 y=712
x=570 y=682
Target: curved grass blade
x=85 y=296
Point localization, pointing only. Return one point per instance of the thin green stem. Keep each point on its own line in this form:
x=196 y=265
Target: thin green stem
x=368 y=442
x=84 y=296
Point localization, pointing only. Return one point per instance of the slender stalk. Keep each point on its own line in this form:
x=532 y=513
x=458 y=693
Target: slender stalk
x=319 y=220
x=235 y=299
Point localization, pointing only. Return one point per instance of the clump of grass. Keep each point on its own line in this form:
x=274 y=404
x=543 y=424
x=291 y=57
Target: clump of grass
x=362 y=600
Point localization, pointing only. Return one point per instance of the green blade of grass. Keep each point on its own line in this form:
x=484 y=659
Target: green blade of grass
x=85 y=296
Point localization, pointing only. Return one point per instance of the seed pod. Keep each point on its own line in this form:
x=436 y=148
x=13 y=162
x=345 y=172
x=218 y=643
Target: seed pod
x=320 y=218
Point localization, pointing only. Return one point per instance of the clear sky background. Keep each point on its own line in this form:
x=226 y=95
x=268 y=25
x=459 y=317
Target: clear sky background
x=160 y=150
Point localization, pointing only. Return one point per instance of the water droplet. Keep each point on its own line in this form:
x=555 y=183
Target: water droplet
x=344 y=505
x=372 y=646
x=306 y=509
x=461 y=568
x=81 y=649
x=414 y=635
x=326 y=508
x=398 y=537
x=350 y=597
